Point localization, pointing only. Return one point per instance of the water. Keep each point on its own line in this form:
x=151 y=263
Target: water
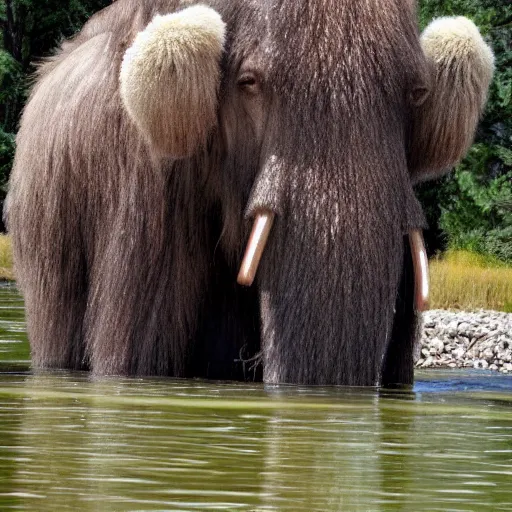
x=71 y=442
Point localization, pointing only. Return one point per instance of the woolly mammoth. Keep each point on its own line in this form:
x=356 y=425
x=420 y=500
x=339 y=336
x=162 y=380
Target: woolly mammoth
x=167 y=134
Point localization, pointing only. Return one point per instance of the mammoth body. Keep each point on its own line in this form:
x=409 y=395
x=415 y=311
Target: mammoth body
x=154 y=138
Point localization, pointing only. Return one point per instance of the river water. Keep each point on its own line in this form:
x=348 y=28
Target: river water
x=72 y=442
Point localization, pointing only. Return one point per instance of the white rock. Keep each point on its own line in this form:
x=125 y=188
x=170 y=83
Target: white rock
x=447 y=335
x=453 y=328
x=428 y=362
x=437 y=345
x=458 y=353
x=487 y=354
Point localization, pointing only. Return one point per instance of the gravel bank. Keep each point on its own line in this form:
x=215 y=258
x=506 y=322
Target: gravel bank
x=481 y=339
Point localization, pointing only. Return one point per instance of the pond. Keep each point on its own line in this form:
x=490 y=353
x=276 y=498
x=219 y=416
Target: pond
x=72 y=442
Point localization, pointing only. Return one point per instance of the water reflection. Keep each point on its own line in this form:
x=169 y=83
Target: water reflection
x=71 y=442
x=14 y=350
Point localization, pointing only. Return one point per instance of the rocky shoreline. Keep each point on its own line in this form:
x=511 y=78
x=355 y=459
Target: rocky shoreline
x=457 y=339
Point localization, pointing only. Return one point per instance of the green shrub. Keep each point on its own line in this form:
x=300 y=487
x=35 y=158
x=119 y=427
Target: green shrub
x=477 y=210
x=7 y=145
x=30 y=30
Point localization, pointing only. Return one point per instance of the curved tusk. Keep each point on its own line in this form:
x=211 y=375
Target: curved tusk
x=420 y=263
x=255 y=247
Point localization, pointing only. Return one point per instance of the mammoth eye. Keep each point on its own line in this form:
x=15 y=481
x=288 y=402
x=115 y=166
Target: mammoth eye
x=419 y=95
x=248 y=82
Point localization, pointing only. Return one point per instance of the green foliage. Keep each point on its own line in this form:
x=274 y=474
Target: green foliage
x=30 y=30
x=6 y=157
x=478 y=211
x=10 y=73
x=12 y=91
x=43 y=24
x=472 y=207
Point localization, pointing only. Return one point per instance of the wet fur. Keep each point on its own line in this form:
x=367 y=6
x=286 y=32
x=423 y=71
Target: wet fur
x=128 y=261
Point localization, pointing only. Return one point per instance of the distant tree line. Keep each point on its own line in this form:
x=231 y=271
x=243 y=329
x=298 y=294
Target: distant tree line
x=469 y=209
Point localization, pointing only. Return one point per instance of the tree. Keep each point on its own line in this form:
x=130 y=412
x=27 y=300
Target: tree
x=30 y=29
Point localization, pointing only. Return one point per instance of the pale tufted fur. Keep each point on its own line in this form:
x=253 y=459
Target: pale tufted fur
x=444 y=125
x=176 y=53
x=448 y=39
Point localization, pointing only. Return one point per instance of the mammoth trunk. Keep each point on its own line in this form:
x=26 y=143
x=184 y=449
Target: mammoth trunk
x=327 y=305
x=329 y=279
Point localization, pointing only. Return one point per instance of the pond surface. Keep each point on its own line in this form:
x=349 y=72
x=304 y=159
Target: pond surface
x=71 y=442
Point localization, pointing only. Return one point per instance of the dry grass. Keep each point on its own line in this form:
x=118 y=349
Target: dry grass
x=6 y=271
x=458 y=279
x=464 y=280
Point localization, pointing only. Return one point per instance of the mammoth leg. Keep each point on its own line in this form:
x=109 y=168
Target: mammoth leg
x=398 y=367
x=43 y=219
x=55 y=292
x=149 y=281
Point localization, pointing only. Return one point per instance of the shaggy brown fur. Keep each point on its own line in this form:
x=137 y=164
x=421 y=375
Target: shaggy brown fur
x=128 y=261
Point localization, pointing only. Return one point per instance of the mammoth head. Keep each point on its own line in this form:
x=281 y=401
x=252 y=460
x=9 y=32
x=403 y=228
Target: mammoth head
x=327 y=111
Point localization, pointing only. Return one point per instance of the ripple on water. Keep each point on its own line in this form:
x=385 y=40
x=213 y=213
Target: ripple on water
x=72 y=442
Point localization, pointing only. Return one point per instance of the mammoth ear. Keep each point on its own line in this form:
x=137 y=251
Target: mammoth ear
x=444 y=124
x=170 y=79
